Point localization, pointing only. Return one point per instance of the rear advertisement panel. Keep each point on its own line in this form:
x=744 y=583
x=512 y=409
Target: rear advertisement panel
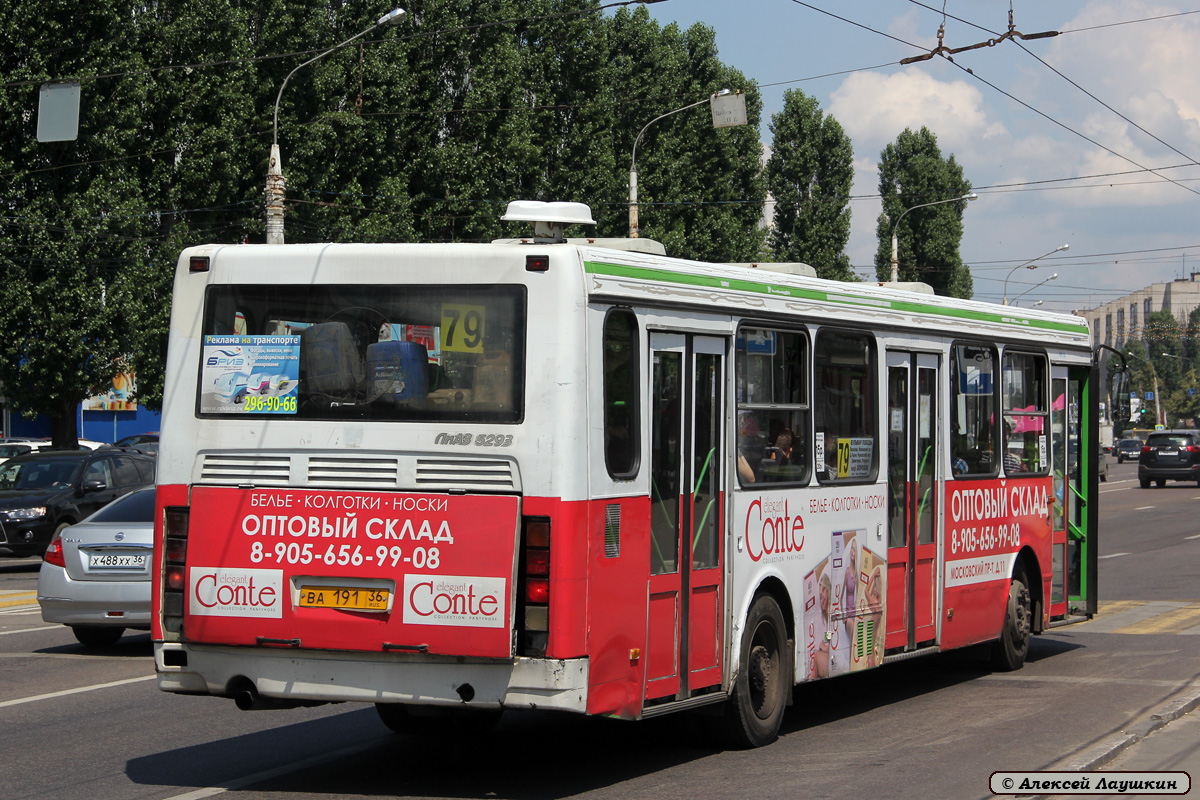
x=374 y=571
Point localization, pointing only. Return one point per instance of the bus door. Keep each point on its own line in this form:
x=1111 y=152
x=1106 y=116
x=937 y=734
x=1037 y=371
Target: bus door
x=913 y=427
x=683 y=638
x=1069 y=514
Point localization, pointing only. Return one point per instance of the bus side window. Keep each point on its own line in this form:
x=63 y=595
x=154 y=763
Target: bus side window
x=773 y=407
x=621 y=419
x=846 y=401
x=973 y=411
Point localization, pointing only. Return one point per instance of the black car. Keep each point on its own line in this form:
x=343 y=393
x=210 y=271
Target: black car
x=146 y=443
x=1127 y=450
x=1169 y=456
x=42 y=493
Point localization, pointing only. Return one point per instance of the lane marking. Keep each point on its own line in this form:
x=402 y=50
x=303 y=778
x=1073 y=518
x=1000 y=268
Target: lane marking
x=1117 y=606
x=65 y=692
x=1021 y=676
x=1130 y=618
x=268 y=774
x=21 y=599
x=1143 y=508
x=30 y=630
x=1114 y=555
x=1167 y=622
x=1197 y=536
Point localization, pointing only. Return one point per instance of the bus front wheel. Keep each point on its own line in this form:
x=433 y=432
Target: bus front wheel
x=1009 y=651
x=754 y=710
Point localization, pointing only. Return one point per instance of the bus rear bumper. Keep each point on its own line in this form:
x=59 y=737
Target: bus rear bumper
x=327 y=676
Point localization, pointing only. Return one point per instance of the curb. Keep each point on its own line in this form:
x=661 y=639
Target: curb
x=22 y=599
x=1107 y=749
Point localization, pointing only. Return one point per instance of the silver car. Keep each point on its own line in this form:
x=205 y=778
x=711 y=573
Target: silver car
x=95 y=575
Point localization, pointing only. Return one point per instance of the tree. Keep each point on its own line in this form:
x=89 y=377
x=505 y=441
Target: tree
x=700 y=190
x=75 y=249
x=419 y=135
x=809 y=174
x=912 y=171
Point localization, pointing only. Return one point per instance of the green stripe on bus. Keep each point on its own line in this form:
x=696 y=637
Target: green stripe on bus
x=844 y=297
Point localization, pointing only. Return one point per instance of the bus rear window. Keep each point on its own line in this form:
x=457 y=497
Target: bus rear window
x=364 y=352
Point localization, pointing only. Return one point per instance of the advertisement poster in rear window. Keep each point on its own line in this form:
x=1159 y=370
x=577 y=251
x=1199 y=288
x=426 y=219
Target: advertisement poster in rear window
x=249 y=374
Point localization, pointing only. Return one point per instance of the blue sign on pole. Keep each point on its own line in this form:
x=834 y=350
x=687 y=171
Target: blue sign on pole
x=1149 y=395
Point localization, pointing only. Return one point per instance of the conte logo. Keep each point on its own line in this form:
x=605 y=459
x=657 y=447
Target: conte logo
x=221 y=592
x=454 y=600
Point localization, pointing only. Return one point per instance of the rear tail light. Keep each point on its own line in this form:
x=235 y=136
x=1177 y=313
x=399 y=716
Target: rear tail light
x=534 y=611
x=1146 y=448
x=54 y=553
x=1193 y=448
x=175 y=531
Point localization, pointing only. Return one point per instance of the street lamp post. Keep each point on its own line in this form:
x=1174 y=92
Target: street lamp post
x=275 y=181
x=633 y=200
x=1030 y=265
x=1053 y=277
x=1158 y=420
x=896 y=229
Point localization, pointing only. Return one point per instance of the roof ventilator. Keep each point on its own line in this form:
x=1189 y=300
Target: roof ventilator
x=548 y=218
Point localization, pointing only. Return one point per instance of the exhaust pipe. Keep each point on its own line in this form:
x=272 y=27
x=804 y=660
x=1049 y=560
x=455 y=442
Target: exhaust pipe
x=248 y=699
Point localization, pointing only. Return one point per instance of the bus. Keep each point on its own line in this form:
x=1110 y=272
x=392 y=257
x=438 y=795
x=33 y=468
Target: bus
x=582 y=476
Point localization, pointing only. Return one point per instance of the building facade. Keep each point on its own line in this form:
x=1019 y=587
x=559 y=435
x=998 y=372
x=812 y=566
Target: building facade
x=1115 y=323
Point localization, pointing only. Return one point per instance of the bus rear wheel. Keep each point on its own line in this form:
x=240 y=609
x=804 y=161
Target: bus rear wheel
x=754 y=711
x=1008 y=653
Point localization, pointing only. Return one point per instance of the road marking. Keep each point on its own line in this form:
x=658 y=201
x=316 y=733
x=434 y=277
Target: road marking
x=1114 y=555
x=1173 y=621
x=66 y=692
x=1143 y=508
x=1131 y=616
x=1108 y=607
x=22 y=599
x=1197 y=536
x=268 y=774
x=1022 y=676
x=30 y=630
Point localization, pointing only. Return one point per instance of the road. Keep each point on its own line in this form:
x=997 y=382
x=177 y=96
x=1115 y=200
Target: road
x=82 y=724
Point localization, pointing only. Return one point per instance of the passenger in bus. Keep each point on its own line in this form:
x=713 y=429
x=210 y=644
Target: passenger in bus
x=750 y=451
x=1012 y=462
x=778 y=458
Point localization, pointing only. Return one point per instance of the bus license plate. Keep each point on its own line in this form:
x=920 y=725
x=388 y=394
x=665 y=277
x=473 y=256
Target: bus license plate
x=344 y=597
x=98 y=561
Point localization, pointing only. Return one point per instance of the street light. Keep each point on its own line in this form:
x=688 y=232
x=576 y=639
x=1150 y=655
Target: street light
x=736 y=119
x=1030 y=265
x=1154 y=374
x=1053 y=277
x=275 y=182
x=896 y=230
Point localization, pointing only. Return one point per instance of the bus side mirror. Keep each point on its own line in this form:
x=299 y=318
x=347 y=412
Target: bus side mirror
x=1118 y=396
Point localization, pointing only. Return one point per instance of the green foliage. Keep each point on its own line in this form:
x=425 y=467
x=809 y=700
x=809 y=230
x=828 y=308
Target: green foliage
x=810 y=173
x=418 y=132
x=912 y=172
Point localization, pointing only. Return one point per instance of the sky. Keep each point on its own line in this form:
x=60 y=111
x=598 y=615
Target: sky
x=1089 y=138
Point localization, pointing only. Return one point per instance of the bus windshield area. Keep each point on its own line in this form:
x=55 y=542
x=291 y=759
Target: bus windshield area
x=444 y=352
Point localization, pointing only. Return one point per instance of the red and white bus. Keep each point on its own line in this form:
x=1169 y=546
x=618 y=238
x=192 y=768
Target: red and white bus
x=450 y=479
